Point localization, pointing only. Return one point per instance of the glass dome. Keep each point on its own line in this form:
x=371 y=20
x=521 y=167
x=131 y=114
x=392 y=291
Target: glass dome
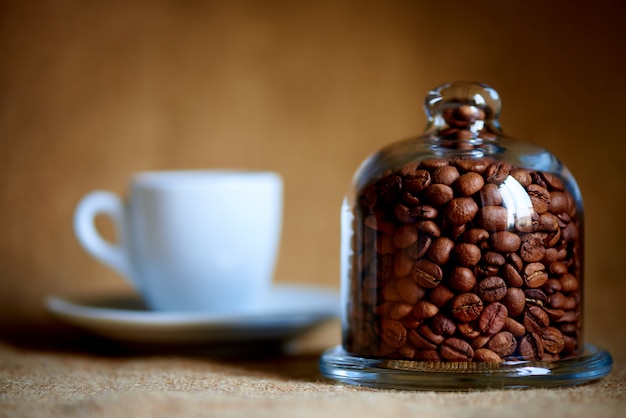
x=461 y=249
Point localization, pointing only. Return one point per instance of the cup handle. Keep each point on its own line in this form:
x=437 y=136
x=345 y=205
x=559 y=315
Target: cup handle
x=109 y=204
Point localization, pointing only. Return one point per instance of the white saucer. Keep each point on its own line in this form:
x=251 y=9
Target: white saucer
x=288 y=311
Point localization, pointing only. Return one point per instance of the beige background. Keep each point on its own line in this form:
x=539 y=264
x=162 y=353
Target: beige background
x=92 y=91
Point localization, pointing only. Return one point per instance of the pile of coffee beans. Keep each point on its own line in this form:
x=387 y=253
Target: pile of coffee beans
x=465 y=259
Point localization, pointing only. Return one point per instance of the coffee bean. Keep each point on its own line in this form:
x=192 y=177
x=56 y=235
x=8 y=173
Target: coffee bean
x=497 y=172
x=522 y=176
x=492 y=318
x=462 y=279
x=468 y=184
x=424 y=309
x=403 y=264
x=553 y=341
x=558 y=202
x=455 y=349
x=443 y=325
x=393 y=333
x=515 y=301
x=475 y=236
x=409 y=290
x=536 y=319
x=440 y=249
x=493 y=218
x=514 y=327
x=486 y=355
x=540 y=198
x=569 y=283
x=467 y=255
x=467 y=307
x=405 y=236
x=504 y=241
x=403 y=214
x=490 y=195
x=438 y=194
x=427 y=274
x=424 y=212
x=512 y=277
x=445 y=175
x=532 y=247
x=460 y=210
x=531 y=347
x=477 y=165
x=503 y=344
x=492 y=289
x=534 y=275
x=441 y=295
x=417 y=181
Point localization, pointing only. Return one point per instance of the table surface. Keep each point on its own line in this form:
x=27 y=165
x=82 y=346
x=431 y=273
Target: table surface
x=51 y=371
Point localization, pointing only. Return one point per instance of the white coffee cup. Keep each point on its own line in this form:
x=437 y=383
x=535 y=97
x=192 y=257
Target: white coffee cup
x=190 y=240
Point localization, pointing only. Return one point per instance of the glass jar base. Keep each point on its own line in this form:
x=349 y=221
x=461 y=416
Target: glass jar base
x=337 y=364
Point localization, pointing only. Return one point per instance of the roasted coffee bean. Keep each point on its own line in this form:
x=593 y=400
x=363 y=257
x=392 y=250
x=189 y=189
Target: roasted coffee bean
x=493 y=218
x=497 y=172
x=514 y=327
x=504 y=241
x=467 y=255
x=540 y=198
x=503 y=344
x=403 y=264
x=440 y=250
x=445 y=175
x=536 y=319
x=441 y=295
x=426 y=273
x=475 y=236
x=409 y=290
x=493 y=258
x=417 y=181
x=522 y=176
x=486 y=355
x=492 y=318
x=512 y=277
x=403 y=214
x=424 y=212
x=569 y=283
x=429 y=228
x=468 y=330
x=558 y=202
x=424 y=309
x=400 y=310
x=492 y=289
x=468 y=184
x=531 y=347
x=438 y=194
x=462 y=279
x=393 y=333
x=536 y=297
x=534 y=275
x=532 y=247
x=490 y=195
x=477 y=165
x=462 y=116
x=460 y=210
x=427 y=355
x=467 y=307
x=405 y=236
x=455 y=349
x=515 y=301
x=443 y=325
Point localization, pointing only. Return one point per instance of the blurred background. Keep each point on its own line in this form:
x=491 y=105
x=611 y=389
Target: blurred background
x=93 y=91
